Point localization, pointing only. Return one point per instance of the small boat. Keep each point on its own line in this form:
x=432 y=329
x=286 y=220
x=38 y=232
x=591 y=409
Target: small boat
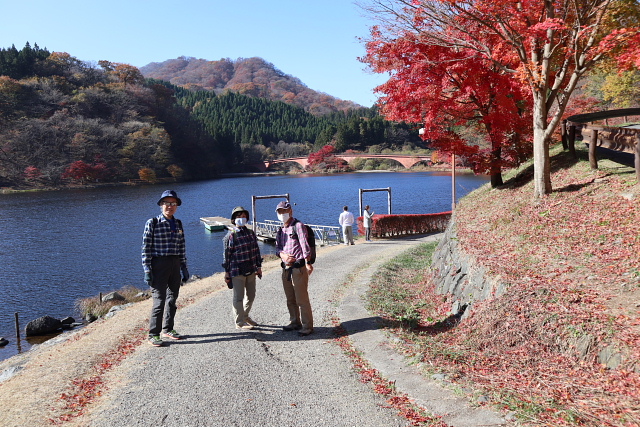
x=215 y=223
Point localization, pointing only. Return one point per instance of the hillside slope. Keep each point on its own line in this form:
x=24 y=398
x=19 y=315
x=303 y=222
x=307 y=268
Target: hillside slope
x=247 y=76
x=562 y=345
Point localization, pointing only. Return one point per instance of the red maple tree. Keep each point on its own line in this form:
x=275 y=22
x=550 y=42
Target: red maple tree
x=546 y=46
x=466 y=104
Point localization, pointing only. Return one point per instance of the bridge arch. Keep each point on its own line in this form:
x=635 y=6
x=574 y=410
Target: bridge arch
x=406 y=160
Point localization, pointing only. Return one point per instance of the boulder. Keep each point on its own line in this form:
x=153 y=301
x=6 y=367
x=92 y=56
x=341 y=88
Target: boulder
x=3 y=341
x=68 y=320
x=113 y=296
x=42 y=326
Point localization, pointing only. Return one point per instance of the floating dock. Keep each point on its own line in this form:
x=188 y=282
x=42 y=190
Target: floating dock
x=216 y=223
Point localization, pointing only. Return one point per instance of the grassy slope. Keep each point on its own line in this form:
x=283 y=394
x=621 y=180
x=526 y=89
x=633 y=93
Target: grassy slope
x=571 y=261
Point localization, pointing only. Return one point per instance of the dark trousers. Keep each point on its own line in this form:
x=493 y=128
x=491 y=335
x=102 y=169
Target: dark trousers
x=164 y=289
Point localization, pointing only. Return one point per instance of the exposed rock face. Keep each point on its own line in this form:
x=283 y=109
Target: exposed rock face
x=455 y=274
x=42 y=326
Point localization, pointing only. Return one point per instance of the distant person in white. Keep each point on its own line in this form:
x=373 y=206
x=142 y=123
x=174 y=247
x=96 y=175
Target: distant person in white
x=367 y=222
x=346 y=221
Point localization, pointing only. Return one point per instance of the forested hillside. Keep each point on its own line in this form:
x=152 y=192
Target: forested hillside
x=260 y=129
x=247 y=76
x=65 y=121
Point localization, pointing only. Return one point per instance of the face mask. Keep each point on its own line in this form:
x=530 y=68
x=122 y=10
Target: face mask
x=240 y=222
x=284 y=217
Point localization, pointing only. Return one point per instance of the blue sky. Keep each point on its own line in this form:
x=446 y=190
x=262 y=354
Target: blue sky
x=315 y=41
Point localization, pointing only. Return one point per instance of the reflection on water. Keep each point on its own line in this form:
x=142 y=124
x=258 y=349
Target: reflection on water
x=61 y=246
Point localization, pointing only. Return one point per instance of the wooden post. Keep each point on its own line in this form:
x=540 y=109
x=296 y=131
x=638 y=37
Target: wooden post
x=572 y=141
x=453 y=182
x=593 y=144
x=563 y=132
x=100 y=296
x=17 y=327
x=636 y=160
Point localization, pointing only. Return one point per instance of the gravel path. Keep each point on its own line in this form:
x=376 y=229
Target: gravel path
x=220 y=376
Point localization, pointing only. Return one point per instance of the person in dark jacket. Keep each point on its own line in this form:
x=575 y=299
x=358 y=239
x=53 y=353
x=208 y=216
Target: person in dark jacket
x=242 y=263
x=164 y=262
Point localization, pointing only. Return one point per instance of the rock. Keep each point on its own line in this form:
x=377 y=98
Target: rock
x=90 y=317
x=68 y=320
x=483 y=399
x=42 y=326
x=113 y=296
x=3 y=341
x=440 y=377
x=116 y=308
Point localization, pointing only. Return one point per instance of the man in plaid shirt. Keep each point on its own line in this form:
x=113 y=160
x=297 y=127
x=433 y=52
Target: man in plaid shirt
x=165 y=263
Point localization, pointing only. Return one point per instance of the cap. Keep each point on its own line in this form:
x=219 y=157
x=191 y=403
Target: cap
x=169 y=193
x=237 y=210
x=283 y=205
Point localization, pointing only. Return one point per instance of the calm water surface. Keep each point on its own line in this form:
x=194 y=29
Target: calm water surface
x=61 y=246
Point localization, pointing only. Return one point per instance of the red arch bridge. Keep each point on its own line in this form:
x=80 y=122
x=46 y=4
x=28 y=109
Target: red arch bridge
x=407 y=160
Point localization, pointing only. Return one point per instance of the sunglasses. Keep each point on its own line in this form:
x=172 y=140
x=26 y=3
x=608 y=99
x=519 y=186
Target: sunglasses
x=170 y=203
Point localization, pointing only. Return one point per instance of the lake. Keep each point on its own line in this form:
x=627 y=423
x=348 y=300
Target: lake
x=60 y=246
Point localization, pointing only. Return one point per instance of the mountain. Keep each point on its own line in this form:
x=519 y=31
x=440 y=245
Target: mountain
x=248 y=76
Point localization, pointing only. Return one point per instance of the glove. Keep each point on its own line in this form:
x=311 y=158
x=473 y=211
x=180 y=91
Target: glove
x=148 y=278
x=185 y=273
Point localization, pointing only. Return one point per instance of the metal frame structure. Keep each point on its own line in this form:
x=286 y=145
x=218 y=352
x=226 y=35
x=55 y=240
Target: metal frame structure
x=388 y=190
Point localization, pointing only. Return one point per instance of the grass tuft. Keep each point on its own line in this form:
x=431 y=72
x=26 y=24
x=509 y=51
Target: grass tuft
x=95 y=307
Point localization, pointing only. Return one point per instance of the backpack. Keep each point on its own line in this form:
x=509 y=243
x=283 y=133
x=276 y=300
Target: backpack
x=311 y=240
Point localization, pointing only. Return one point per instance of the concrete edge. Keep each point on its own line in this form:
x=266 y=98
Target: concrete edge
x=432 y=396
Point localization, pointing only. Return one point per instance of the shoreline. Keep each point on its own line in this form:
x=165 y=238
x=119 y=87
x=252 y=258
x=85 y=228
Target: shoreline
x=12 y=190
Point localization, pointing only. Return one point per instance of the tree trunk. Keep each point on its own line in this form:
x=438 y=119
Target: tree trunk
x=541 y=162
x=496 y=180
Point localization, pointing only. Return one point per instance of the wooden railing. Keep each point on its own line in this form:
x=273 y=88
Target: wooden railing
x=617 y=138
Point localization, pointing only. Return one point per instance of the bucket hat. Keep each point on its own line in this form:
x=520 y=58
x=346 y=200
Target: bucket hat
x=237 y=210
x=169 y=193
x=283 y=205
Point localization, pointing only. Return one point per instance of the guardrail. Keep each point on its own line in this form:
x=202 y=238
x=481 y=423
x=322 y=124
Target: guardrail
x=326 y=234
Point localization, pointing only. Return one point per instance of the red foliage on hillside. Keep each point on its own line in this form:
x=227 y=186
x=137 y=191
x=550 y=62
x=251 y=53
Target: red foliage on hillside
x=248 y=76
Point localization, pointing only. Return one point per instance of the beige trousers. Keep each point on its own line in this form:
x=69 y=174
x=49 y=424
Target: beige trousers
x=244 y=292
x=297 y=293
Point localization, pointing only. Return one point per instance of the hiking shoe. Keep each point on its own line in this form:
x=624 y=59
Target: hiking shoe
x=244 y=326
x=251 y=321
x=305 y=332
x=292 y=327
x=155 y=341
x=172 y=334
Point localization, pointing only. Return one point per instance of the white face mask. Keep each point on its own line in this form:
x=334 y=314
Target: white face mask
x=240 y=222
x=284 y=217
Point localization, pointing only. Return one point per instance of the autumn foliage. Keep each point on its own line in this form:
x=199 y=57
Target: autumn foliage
x=541 y=48
x=324 y=159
